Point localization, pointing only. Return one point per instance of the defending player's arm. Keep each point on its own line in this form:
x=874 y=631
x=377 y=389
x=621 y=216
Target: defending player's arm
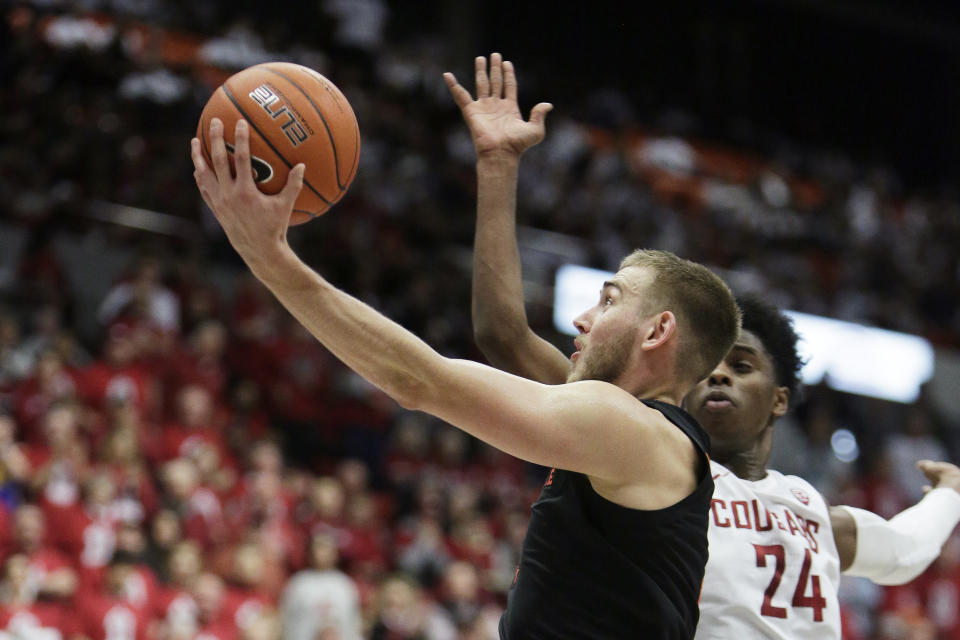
x=548 y=425
x=500 y=136
x=896 y=551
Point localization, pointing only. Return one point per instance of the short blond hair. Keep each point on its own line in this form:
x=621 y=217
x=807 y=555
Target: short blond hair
x=708 y=317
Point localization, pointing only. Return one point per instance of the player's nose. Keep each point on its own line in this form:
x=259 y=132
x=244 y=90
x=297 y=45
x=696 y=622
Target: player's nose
x=582 y=322
x=719 y=376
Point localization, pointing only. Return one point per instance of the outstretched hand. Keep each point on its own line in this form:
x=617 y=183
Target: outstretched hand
x=255 y=223
x=942 y=475
x=494 y=119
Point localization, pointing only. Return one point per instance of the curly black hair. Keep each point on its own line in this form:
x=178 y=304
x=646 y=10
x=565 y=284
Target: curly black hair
x=775 y=330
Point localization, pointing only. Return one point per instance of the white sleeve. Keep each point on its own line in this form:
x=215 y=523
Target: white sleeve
x=898 y=550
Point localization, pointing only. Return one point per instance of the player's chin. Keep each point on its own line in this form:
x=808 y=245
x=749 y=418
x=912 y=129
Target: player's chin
x=722 y=421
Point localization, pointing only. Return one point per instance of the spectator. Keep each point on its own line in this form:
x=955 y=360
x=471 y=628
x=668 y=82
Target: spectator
x=405 y=613
x=250 y=593
x=15 y=361
x=104 y=611
x=50 y=572
x=202 y=362
x=176 y=608
x=118 y=377
x=165 y=533
x=87 y=531
x=196 y=432
x=214 y=621
x=196 y=506
x=321 y=601
x=22 y=615
x=59 y=462
x=143 y=298
x=14 y=463
x=917 y=442
x=51 y=383
x=464 y=600
x=137 y=497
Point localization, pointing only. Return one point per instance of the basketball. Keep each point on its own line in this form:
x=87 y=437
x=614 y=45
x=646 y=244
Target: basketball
x=295 y=115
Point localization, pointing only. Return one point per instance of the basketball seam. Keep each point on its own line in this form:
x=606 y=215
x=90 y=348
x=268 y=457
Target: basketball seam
x=356 y=156
x=356 y=142
x=333 y=143
x=356 y=133
x=236 y=104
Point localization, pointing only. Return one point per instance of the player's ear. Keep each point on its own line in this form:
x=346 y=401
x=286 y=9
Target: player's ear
x=781 y=401
x=659 y=329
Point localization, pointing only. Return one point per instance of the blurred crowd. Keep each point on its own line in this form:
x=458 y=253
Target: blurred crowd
x=199 y=467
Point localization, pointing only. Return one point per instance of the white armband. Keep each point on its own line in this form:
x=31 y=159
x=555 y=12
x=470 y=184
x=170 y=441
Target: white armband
x=898 y=550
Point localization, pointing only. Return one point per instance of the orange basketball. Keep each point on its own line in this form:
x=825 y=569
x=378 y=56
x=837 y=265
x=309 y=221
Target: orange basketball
x=295 y=115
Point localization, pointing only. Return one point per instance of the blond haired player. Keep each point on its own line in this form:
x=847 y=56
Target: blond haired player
x=632 y=482
x=776 y=548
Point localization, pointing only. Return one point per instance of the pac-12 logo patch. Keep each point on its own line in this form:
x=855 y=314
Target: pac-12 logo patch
x=800 y=495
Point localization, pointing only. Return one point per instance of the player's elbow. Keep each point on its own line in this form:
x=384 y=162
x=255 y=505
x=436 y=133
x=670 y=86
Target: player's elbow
x=410 y=392
x=421 y=387
x=908 y=564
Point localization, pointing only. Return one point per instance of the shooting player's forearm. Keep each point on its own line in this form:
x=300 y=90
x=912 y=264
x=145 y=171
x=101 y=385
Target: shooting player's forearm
x=499 y=317
x=380 y=350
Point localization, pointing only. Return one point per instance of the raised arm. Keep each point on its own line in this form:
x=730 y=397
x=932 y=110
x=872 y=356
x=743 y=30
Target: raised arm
x=500 y=136
x=896 y=551
x=591 y=427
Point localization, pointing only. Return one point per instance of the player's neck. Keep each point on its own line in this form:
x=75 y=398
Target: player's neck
x=748 y=463
x=664 y=391
x=744 y=465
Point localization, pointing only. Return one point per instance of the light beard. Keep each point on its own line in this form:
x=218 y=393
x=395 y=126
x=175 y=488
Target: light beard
x=607 y=361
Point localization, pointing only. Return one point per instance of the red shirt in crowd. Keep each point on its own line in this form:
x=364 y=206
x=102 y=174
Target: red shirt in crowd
x=32 y=399
x=177 y=607
x=186 y=367
x=90 y=540
x=26 y=620
x=241 y=606
x=101 y=383
x=106 y=617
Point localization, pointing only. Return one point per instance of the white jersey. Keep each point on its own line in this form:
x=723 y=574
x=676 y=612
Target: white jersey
x=317 y=603
x=773 y=570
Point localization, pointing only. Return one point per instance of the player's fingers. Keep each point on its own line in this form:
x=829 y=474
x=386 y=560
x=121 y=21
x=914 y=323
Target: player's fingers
x=201 y=172
x=538 y=115
x=218 y=152
x=199 y=163
x=460 y=95
x=241 y=154
x=509 y=81
x=480 y=73
x=496 y=75
x=294 y=184
x=195 y=154
x=933 y=469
